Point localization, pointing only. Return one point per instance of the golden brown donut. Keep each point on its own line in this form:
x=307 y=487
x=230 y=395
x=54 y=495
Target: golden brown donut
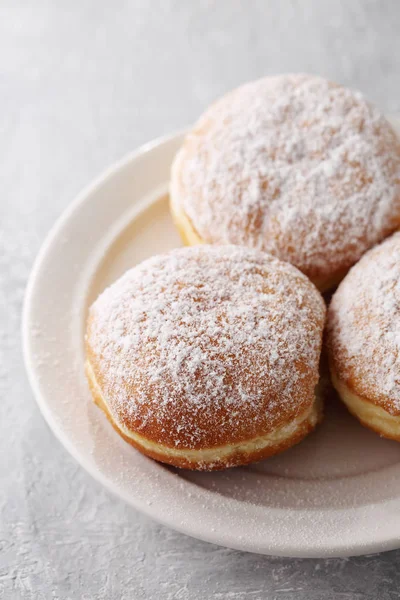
x=207 y=357
x=293 y=165
x=364 y=339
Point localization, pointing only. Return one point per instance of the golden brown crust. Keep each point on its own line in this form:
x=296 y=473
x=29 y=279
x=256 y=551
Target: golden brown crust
x=190 y=237
x=208 y=357
x=260 y=342
x=362 y=328
x=247 y=427
x=216 y=464
x=294 y=165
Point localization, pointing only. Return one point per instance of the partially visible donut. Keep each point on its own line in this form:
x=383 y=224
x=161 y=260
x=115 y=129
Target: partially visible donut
x=364 y=339
x=293 y=165
x=207 y=357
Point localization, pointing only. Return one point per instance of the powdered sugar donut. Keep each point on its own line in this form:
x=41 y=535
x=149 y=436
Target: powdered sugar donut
x=207 y=357
x=364 y=339
x=294 y=165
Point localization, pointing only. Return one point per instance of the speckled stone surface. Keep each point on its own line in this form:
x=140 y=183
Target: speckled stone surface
x=82 y=83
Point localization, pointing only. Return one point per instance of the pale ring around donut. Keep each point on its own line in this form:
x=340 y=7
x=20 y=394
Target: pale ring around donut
x=370 y=415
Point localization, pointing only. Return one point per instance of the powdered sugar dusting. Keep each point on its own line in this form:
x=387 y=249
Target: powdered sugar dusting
x=294 y=165
x=364 y=326
x=207 y=340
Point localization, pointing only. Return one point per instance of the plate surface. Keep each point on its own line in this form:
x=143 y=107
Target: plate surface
x=336 y=494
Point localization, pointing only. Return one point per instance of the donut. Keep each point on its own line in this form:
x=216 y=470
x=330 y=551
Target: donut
x=207 y=357
x=363 y=338
x=293 y=165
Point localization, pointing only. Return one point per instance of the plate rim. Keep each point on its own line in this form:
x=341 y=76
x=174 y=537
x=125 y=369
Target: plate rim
x=335 y=550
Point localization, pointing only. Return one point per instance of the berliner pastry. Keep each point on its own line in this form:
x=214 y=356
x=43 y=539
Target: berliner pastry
x=293 y=165
x=364 y=339
x=207 y=357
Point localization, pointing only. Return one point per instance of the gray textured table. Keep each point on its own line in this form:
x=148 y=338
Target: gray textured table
x=81 y=83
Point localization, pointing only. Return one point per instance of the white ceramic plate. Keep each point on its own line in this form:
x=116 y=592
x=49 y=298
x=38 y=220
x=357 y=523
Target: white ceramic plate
x=336 y=494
